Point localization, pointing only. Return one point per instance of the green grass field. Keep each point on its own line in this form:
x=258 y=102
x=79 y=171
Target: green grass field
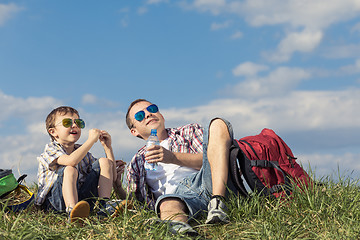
x=327 y=211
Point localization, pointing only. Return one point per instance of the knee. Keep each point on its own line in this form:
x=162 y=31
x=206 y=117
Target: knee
x=171 y=204
x=218 y=125
x=70 y=171
x=219 y=128
x=106 y=163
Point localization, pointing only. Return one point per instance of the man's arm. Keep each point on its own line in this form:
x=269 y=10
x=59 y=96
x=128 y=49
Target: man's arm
x=160 y=154
x=192 y=160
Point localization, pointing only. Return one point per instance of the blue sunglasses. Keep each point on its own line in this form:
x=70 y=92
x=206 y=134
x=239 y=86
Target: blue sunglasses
x=140 y=115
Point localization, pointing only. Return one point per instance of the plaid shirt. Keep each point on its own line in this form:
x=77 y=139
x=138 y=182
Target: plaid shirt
x=186 y=139
x=48 y=168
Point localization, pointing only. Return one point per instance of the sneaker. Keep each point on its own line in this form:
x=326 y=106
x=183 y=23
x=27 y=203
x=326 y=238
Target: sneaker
x=176 y=227
x=216 y=211
x=113 y=207
x=79 y=212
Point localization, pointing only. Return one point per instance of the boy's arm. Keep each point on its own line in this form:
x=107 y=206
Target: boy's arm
x=105 y=140
x=76 y=156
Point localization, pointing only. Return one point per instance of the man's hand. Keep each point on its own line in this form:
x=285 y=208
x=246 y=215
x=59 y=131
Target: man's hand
x=157 y=153
x=120 y=168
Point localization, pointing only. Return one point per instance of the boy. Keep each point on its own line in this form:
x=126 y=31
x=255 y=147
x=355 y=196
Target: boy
x=68 y=174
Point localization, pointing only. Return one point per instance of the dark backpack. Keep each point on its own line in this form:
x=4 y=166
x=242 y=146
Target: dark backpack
x=267 y=164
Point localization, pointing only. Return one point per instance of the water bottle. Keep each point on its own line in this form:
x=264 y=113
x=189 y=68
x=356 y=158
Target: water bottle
x=152 y=140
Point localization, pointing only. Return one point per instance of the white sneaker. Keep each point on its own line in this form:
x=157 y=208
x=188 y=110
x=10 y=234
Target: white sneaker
x=216 y=211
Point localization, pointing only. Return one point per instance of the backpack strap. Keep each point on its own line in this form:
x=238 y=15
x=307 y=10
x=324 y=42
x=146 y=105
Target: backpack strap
x=274 y=164
x=264 y=163
x=234 y=168
x=21 y=178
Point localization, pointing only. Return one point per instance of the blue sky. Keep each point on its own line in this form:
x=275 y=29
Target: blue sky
x=292 y=66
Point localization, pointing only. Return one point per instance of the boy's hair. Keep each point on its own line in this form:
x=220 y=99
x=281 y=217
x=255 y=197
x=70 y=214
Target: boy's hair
x=128 y=120
x=63 y=110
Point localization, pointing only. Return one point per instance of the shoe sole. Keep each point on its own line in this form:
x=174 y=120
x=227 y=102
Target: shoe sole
x=217 y=220
x=80 y=211
x=125 y=204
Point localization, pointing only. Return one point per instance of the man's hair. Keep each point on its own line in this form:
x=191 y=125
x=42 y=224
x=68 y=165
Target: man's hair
x=63 y=110
x=128 y=120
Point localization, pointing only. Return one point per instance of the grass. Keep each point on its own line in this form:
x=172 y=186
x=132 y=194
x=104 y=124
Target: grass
x=327 y=211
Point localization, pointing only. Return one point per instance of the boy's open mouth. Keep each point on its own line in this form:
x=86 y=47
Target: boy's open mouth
x=73 y=132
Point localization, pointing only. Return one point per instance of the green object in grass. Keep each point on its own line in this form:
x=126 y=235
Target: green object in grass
x=7 y=181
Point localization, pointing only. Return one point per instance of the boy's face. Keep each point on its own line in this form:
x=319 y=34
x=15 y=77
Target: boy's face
x=63 y=135
x=150 y=121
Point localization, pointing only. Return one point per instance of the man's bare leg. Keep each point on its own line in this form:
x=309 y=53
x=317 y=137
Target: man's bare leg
x=175 y=210
x=218 y=157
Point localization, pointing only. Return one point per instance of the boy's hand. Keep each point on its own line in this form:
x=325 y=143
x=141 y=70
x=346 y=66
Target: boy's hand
x=94 y=134
x=105 y=139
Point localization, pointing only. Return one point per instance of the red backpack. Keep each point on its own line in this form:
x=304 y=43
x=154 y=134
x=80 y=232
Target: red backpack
x=267 y=164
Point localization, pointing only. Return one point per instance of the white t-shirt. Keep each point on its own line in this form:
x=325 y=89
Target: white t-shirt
x=167 y=176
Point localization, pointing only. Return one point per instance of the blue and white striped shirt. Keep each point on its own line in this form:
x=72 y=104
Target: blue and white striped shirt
x=48 y=168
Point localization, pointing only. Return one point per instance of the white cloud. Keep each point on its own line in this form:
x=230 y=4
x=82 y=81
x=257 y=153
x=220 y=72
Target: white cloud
x=305 y=41
x=248 y=69
x=335 y=165
x=352 y=69
x=142 y=10
x=296 y=112
x=355 y=28
x=342 y=51
x=156 y=1
x=7 y=11
x=278 y=82
x=222 y=25
x=237 y=35
x=90 y=99
x=305 y=21
x=311 y=14
x=25 y=108
x=214 y=6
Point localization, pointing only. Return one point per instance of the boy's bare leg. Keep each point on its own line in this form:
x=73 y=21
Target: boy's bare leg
x=106 y=177
x=69 y=190
x=218 y=155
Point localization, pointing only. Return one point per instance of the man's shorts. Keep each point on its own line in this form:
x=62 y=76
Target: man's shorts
x=196 y=190
x=87 y=191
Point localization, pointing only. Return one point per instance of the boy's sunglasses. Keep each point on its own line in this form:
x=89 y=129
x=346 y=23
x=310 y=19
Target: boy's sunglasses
x=68 y=122
x=140 y=115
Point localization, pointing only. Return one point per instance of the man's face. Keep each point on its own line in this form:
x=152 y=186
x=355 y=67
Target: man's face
x=151 y=120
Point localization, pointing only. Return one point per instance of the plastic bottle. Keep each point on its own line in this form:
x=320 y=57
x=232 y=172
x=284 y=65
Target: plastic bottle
x=152 y=140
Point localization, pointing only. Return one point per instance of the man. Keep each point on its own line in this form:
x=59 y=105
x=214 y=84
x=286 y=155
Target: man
x=192 y=167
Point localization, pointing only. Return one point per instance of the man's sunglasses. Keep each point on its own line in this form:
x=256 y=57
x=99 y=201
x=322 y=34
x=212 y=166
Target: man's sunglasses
x=68 y=122
x=140 y=115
